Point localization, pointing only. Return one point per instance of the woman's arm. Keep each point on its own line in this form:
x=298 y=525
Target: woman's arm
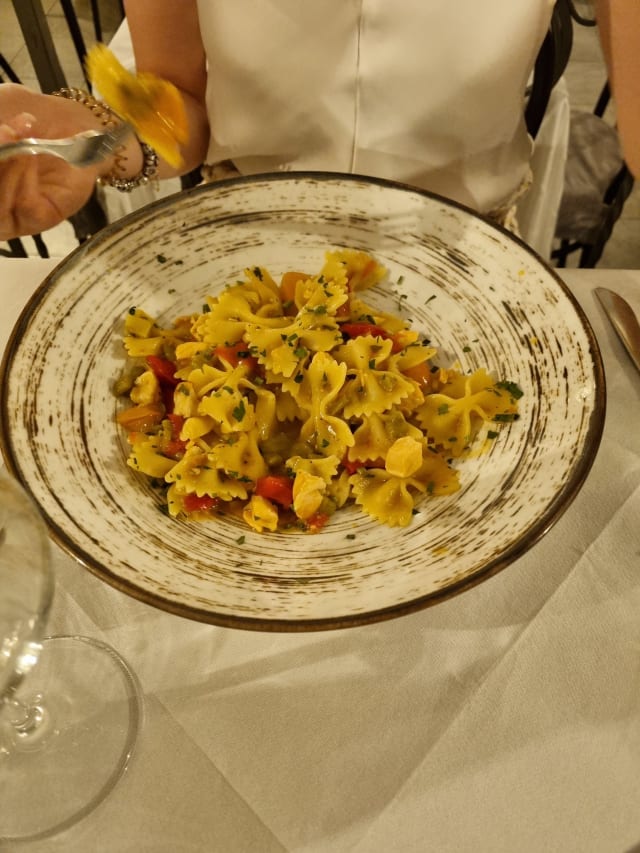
x=619 y=26
x=166 y=41
x=37 y=193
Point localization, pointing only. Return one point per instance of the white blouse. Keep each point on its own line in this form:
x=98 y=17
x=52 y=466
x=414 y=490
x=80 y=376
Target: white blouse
x=429 y=92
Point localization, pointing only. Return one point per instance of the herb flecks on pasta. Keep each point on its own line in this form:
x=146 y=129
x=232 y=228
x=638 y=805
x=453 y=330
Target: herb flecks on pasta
x=280 y=403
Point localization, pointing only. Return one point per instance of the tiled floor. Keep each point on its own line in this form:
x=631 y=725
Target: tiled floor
x=14 y=50
x=585 y=77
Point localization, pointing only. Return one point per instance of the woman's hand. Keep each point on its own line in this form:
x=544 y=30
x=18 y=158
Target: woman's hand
x=38 y=192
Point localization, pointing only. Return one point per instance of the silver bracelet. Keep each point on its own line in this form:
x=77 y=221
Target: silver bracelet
x=109 y=118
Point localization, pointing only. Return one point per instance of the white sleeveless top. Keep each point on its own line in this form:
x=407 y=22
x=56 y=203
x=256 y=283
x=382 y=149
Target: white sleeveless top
x=429 y=92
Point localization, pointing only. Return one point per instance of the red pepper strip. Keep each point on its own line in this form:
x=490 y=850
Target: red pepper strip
x=177 y=422
x=163 y=369
x=175 y=446
x=317 y=521
x=237 y=354
x=354 y=467
x=421 y=373
x=193 y=503
x=351 y=467
x=357 y=330
x=276 y=488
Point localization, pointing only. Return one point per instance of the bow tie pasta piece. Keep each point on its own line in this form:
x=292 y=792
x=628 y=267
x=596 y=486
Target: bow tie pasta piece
x=452 y=417
x=384 y=497
x=226 y=471
x=389 y=498
x=230 y=410
x=261 y=514
x=147 y=457
x=322 y=294
x=410 y=356
x=240 y=458
x=225 y=321
x=144 y=336
x=328 y=434
x=356 y=269
x=369 y=389
x=154 y=107
x=376 y=434
x=285 y=349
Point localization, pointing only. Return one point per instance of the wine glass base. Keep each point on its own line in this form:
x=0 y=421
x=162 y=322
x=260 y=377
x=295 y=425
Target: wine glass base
x=56 y=771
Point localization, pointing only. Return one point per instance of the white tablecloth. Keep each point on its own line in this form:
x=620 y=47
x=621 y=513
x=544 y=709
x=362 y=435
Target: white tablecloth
x=506 y=719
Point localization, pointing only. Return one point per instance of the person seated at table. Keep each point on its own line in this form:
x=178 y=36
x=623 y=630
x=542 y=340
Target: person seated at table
x=428 y=94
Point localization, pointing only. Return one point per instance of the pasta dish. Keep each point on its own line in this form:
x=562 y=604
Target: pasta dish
x=282 y=402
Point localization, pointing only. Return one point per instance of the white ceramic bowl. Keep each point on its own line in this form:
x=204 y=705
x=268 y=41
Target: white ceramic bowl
x=496 y=305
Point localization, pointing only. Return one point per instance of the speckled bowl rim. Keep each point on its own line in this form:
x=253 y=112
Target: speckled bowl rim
x=526 y=541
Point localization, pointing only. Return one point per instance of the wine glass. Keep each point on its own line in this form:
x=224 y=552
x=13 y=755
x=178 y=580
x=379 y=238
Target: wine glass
x=70 y=707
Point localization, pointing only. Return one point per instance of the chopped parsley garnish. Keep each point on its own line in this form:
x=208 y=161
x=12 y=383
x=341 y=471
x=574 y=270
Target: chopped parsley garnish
x=512 y=388
x=239 y=411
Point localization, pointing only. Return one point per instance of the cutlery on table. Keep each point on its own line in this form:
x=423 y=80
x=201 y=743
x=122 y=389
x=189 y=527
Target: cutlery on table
x=83 y=149
x=623 y=320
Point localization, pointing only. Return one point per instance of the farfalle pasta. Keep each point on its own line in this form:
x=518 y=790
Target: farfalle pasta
x=282 y=402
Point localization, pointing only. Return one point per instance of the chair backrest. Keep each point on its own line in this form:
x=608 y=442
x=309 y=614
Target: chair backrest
x=37 y=36
x=550 y=64
x=76 y=32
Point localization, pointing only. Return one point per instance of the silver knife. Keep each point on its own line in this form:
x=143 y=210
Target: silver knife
x=623 y=320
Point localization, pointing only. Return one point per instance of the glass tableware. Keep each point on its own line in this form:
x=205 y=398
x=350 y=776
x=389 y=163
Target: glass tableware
x=69 y=706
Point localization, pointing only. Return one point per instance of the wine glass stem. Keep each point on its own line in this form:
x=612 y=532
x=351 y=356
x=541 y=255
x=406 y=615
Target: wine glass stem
x=28 y=722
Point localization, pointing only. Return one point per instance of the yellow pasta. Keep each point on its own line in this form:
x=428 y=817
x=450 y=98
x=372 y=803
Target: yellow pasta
x=153 y=106
x=280 y=403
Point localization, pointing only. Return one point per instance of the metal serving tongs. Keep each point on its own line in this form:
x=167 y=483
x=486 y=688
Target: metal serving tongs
x=82 y=149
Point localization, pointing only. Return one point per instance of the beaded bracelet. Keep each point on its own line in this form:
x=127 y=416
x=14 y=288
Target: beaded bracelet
x=146 y=173
x=109 y=119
